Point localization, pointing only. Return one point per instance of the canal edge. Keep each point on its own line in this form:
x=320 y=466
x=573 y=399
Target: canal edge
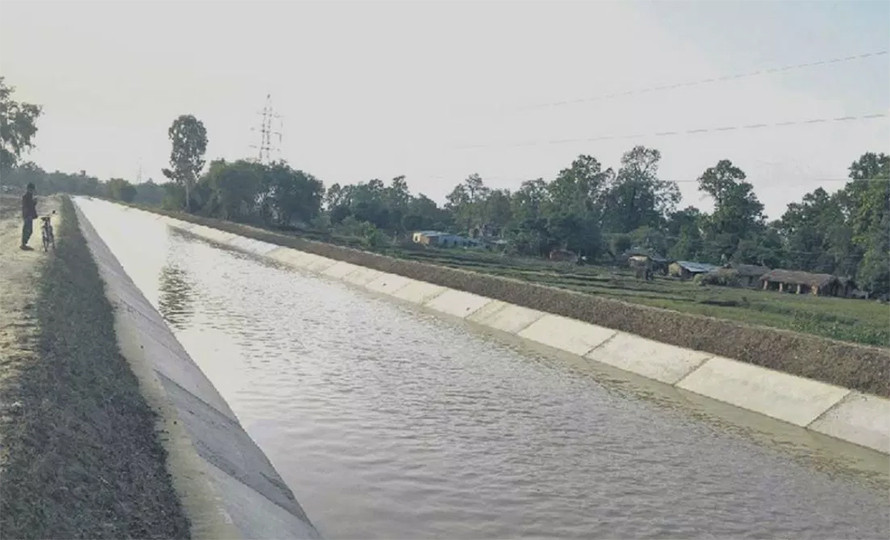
x=219 y=496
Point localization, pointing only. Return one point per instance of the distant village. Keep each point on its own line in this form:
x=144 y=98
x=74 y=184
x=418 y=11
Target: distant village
x=647 y=264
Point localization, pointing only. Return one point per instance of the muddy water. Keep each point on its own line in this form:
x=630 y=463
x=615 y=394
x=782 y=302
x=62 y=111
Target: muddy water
x=389 y=423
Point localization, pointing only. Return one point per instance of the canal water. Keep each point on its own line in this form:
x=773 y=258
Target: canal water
x=388 y=422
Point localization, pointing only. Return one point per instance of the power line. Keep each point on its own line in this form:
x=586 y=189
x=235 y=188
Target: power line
x=695 y=180
x=675 y=133
x=712 y=80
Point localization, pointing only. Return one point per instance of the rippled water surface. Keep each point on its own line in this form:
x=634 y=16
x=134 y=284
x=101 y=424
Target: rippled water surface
x=389 y=423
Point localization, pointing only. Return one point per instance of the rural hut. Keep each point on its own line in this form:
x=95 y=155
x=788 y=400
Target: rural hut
x=747 y=275
x=638 y=257
x=688 y=270
x=801 y=283
x=442 y=239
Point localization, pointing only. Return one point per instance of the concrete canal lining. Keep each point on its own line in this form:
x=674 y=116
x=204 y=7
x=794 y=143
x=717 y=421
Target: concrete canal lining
x=854 y=417
x=227 y=485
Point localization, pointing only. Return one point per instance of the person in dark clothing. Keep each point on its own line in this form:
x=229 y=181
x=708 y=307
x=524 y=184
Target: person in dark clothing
x=29 y=214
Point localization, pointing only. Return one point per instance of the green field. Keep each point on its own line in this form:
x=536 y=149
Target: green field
x=860 y=321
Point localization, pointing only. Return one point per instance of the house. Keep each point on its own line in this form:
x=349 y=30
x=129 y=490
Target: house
x=688 y=270
x=442 y=239
x=635 y=257
x=426 y=237
x=747 y=275
x=802 y=283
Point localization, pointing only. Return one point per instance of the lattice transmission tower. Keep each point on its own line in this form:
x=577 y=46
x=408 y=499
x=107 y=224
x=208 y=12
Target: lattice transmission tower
x=270 y=129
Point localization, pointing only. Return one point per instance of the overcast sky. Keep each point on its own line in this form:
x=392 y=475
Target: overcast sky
x=380 y=89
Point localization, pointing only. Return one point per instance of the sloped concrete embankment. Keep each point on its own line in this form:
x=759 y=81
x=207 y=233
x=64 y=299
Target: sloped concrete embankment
x=228 y=487
x=852 y=415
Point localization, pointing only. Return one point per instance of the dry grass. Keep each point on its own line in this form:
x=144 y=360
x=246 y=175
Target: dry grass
x=83 y=459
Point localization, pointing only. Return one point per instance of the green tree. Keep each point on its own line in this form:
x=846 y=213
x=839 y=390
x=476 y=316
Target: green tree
x=579 y=189
x=867 y=198
x=396 y=198
x=189 y=140
x=817 y=235
x=121 y=190
x=150 y=193
x=737 y=216
x=234 y=189
x=530 y=201
x=467 y=202
x=497 y=210
x=650 y=239
x=636 y=197
x=18 y=125
x=424 y=214
x=292 y=195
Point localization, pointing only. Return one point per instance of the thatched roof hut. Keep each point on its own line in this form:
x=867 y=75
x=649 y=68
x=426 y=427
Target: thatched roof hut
x=745 y=275
x=801 y=282
x=753 y=270
x=689 y=269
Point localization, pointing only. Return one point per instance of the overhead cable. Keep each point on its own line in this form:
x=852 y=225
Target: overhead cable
x=675 y=133
x=711 y=80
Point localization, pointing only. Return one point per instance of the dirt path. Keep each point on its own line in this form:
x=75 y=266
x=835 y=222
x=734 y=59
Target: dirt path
x=19 y=271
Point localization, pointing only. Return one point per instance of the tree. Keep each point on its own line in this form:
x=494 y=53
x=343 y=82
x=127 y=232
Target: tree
x=636 y=197
x=234 y=189
x=189 y=139
x=17 y=127
x=467 y=202
x=737 y=216
x=293 y=195
x=816 y=234
x=150 y=193
x=396 y=198
x=867 y=198
x=497 y=211
x=121 y=190
x=579 y=189
x=424 y=214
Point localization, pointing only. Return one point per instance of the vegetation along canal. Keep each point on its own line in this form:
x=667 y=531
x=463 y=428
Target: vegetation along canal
x=389 y=423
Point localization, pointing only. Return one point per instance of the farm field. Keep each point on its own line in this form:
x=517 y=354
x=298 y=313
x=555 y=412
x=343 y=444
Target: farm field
x=859 y=321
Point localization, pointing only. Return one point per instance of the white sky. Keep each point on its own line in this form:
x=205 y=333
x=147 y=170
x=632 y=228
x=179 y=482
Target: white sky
x=379 y=89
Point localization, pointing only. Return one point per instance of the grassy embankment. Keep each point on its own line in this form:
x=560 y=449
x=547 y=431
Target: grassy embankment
x=82 y=457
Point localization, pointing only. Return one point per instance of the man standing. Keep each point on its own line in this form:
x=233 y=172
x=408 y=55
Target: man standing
x=29 y=214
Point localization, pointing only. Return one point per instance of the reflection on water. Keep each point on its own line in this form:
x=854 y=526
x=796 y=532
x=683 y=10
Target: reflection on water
x=390 y=423
x=174 y=299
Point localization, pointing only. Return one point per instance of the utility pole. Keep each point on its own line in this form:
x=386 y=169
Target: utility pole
x=266 y=151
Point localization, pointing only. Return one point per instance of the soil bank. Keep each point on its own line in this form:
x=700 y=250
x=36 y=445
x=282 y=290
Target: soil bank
x=80 y=454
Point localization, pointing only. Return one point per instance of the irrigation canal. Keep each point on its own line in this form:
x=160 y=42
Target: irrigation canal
x=388 y=422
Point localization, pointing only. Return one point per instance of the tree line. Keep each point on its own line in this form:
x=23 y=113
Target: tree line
x=596 y=211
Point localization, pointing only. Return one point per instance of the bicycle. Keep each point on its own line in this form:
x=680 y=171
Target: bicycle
x=47 y=233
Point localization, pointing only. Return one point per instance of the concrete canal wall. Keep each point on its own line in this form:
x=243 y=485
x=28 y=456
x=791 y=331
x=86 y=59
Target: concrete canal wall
x=848 y=414
x=227 y=486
